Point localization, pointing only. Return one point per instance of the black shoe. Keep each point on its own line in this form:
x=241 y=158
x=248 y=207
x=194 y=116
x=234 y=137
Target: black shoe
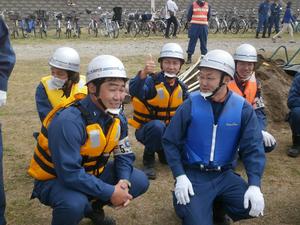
x=226 y=221
x=162 y=157
x=98 y=217
x=293 y=151
x=148 y=161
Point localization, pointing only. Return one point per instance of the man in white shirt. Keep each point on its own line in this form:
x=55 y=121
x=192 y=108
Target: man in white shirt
x=171 y=9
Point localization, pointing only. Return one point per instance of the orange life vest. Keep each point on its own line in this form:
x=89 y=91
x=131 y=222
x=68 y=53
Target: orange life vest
x=200 y=14
x=250 y=89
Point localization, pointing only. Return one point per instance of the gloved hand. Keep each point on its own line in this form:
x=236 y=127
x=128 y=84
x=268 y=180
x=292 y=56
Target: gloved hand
x=183 y=188
x=2 y=98
x=269 y=140
x=256 y=198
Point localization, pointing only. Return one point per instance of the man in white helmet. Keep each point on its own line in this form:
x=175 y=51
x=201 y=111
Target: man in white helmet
x=246 y=85
x=70 y=162
x=63 y=83
x=201 y=143
x=156 y=96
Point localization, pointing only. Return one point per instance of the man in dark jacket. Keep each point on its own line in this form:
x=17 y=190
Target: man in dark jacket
x=294 y=116
x=7 y=62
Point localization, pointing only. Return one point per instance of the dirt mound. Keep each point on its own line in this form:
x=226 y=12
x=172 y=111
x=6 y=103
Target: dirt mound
x=275 y=87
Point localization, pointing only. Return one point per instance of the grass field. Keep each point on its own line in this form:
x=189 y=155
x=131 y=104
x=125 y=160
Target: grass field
x=281 y=183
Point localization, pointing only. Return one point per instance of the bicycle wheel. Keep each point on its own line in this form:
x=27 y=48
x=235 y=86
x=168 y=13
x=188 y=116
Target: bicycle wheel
x=242 y=26
x=223 y=27
x=115 y=28
x=213 y=26
x=133 y=29
x=234 y=27
x=160 y=27
x=145 y=29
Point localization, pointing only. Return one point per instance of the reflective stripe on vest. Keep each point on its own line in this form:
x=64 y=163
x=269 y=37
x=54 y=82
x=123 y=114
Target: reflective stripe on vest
x=250 y=89
x=56 y=96
x=208 y=143
x=95 y=152
x=162 y=107
x=200 y=14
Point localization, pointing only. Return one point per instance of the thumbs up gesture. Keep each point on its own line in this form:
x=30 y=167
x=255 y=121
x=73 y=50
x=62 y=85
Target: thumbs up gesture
x=149 y=67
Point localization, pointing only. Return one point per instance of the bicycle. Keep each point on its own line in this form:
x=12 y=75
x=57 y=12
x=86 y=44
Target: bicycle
x=42 y=17
x=107 y=27
x=58 y=16
x=93 y=25
x=14 y=17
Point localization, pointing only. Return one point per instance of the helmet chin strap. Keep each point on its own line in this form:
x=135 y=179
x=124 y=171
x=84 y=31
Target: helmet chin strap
x=217 y=89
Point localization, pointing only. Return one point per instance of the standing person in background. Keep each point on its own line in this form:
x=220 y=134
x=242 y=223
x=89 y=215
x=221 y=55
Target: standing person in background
x=287 y=26
x=198 y=16
x=156 y=96
x=274 y=18
x=246 y=85
x=63 y=83
x=263 y=15
x=171 y=9
x=7 y=62
x=294 y=116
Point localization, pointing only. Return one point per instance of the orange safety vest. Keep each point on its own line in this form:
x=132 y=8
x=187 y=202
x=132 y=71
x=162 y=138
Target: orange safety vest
x=95 y=151
x=56 y=97
x=249 y=92
x=162 y=107
x=200 y=14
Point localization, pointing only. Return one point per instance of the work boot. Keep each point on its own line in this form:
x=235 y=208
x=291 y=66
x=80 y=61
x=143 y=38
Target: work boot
x=148 y=161
x=294 y=151
x=256 y=36
x=98 y=217
x=189 y=59
x=219 y=215
x=162 y=157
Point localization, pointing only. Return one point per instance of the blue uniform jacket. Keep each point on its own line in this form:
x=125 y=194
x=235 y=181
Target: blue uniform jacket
x=294 y=93
x=7 y=56
x=144 y=89
x=275 y=9
x=251 y=142
x=42 y=102
x=190 y=13
x=263 y=9
x=66 y=134
x=288 y=17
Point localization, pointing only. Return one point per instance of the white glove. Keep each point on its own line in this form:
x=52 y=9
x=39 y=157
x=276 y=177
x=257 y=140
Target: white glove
x=254 y=195
x=269 y=140
x=183 y=188
x=2 y=98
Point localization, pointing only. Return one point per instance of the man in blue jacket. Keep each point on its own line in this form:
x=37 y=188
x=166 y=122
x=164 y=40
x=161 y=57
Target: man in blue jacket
x=156 y=96
x=274 y=18
x=201 y=144
x=294 y=116
x=73 y=174
x=263 y=16
x=7 y=62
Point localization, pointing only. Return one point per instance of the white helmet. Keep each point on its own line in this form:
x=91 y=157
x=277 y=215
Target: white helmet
x=245 y=52
x=65 y=58
x=171 y=50
x=219 y=60
x=104 y=66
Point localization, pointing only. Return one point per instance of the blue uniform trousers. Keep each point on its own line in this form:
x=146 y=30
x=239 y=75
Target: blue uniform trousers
x=273 y=21
x=262 y=23
x=70 y=206
x=227 y=187
x=2 y=194
x=294 y=120
x=150 y=135
x=198 y=31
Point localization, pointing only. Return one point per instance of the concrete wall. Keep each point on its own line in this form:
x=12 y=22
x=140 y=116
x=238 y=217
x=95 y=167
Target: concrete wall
x=28 y=6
